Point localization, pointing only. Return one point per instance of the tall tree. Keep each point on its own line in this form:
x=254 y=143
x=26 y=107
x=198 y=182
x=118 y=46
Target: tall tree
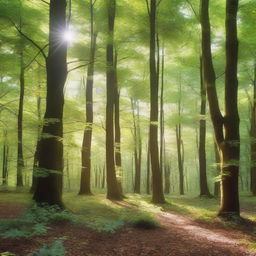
x=253 y=134
x=204 y=190
x=180 y=149
x=20 y=160
x=137 y=145
x=50 y=149
x=117 y=129
x=5 y=159
x=157 y=181
x=113 y=191
x=85 y=186
x=226 y=127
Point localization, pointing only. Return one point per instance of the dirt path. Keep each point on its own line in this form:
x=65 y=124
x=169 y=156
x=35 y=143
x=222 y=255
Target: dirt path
x=178 y=236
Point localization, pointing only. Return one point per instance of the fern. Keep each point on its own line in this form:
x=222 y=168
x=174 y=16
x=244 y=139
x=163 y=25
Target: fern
x=55 y=249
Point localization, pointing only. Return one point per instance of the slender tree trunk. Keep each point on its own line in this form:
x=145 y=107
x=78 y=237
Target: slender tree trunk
x=118 y=155
x=180 y=151
x=253 y=136
x=204 y=190
x=137 y=145
x=85 y=182
x=113 y=191
x=148 y=171
x=50 y=149
x=180 y=162
x=103 y=177
x=157 y=181
x=162 y=164
x=5 y=160
x=226 y=128
x=20 y=160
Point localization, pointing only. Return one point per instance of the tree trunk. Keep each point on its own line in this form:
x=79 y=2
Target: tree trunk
x=180 y=162
x=226 y=128
x=113 y=191
x=148 y=171
x=157 y=181
x=85 y=182
x=253 y=136
x=5 y=160
x=118 y=155
x=204 y=190
x=20 y=160
x=162 y=164
x=137 y=145
x=50 y=149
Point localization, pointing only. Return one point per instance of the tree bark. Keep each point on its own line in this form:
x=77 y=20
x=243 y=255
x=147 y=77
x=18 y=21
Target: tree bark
x=137 y=145
x=157 y=181
x=85 y=182
x=204 y=190
x=118 y=155
x=253 y=136
x=50 y=149
x=113 y=191
x=5 y=160
x=229 y=140
x=20 y=159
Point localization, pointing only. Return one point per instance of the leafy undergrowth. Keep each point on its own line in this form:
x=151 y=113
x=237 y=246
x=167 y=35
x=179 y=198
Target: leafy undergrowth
x=100 y=214
x=54 y=249
x=94 y=212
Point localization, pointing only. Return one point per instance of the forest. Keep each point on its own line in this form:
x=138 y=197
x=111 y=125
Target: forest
x=127 y=127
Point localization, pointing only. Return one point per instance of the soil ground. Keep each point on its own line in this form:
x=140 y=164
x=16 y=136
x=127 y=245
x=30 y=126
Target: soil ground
x=179 y=235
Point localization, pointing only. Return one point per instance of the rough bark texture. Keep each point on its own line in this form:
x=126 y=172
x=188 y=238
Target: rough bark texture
x=157 y=181
x=50 y=149
x=204 y=190
x=229 y=140
x=85 y=181
x=113 y=191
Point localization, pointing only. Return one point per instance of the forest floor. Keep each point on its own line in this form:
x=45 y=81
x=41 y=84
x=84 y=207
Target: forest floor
x=187 y=227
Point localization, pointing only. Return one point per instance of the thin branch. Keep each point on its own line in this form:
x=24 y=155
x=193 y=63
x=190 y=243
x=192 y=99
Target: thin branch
x=75 y=61
x=45 y=2
x=29 y=39
x=34 y=58
x=220 y=75
x=193 y=9
x=81 y=66
x=159 y=2
x=148 y=7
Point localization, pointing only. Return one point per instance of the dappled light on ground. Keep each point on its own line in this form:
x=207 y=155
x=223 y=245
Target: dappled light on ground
x=196 y=231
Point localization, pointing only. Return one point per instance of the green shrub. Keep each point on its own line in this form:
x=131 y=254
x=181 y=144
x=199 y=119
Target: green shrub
x=55 y=249
x=34 y=221
x=143 y=221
